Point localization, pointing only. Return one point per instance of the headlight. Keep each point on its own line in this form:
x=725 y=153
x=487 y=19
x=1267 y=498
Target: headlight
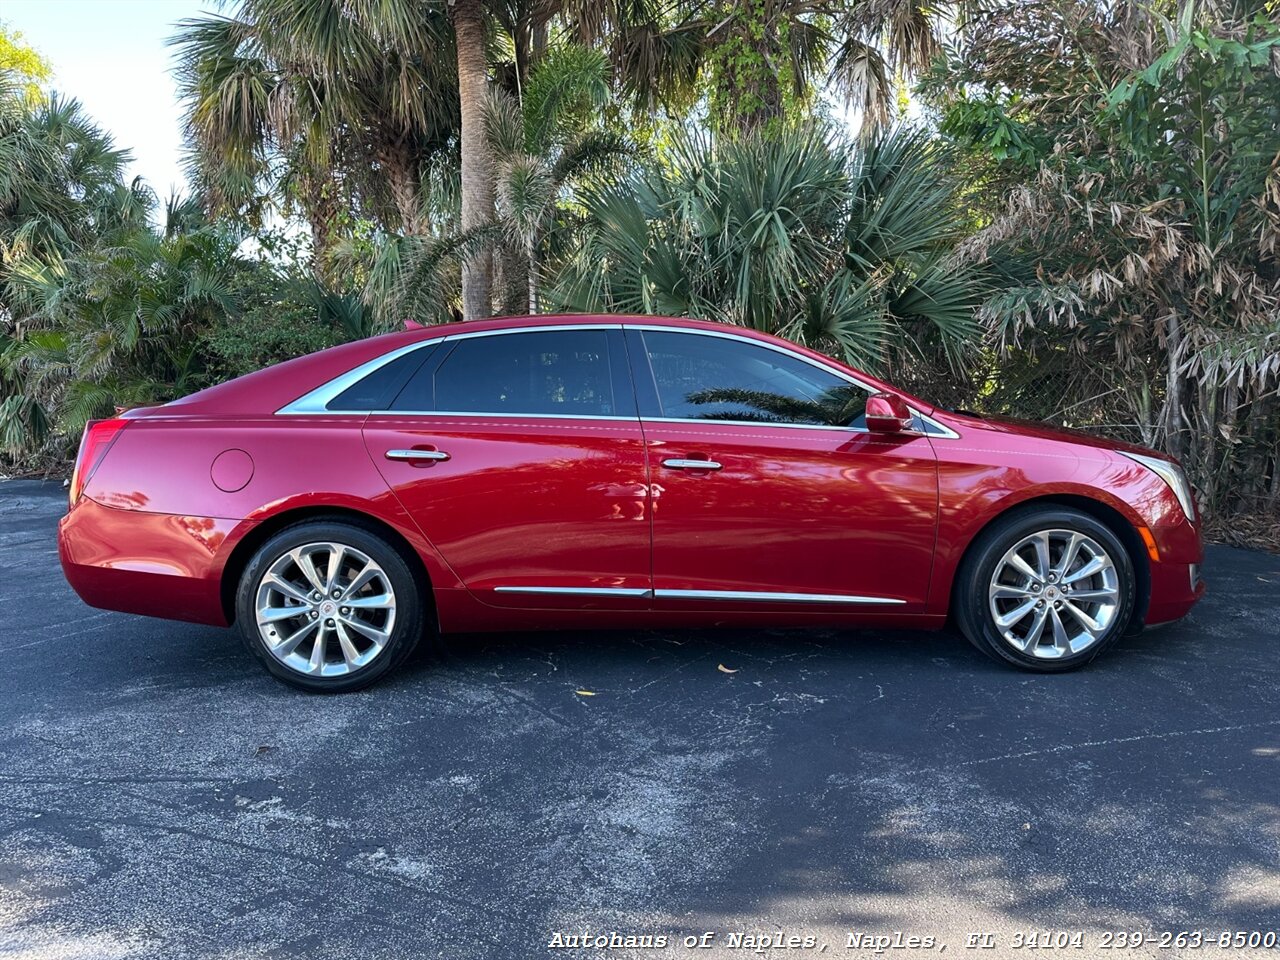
x=1171 y=474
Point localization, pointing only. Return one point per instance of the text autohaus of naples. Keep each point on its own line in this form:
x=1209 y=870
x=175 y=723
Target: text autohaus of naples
x=754 y=942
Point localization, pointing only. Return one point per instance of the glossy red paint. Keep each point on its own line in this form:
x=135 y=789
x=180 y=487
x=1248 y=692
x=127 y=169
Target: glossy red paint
x=887 y=413
x=178 y=500
x=792 y=511
x=534 y=503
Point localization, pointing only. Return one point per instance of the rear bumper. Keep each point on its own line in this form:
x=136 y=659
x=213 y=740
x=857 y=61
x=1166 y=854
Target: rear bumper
x=153 y=564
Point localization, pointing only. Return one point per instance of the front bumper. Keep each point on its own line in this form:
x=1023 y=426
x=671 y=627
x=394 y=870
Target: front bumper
x=1175 y=589
x=153 y=564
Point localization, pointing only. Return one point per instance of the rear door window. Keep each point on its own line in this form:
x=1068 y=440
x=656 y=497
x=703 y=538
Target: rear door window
x=570 y=373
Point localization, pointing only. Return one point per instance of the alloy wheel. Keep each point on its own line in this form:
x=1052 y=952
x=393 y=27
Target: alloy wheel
x=325 y=609
x=1054 y=594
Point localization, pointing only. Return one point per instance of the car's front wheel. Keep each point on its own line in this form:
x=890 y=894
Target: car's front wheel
x=329 y=606
x=1046 y=589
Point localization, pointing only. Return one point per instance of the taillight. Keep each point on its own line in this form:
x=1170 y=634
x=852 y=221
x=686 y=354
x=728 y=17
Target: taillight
x=98 y=437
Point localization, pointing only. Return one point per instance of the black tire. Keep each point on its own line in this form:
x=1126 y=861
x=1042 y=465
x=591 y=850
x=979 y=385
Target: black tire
x=974 y=580
x=409 y=613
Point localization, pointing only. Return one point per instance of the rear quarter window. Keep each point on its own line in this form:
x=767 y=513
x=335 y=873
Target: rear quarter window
x=376 y=390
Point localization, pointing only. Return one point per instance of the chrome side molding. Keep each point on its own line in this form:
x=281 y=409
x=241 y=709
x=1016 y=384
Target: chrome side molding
x=741 y=595
x=581 y=591
x=763 y=597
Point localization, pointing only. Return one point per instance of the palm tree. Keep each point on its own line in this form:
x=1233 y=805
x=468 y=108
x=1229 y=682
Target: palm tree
x=311 y=105
x=847 y=249
x=760 y=62
x=60 y=186
x=477 y=159
x=56 y=167
x=540 y=144
x=116 y=321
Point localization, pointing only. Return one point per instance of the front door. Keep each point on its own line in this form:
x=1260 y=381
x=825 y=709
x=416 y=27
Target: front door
x=768 y=491
x=521 y=458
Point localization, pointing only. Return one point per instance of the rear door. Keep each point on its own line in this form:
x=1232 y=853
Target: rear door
x=521 y=457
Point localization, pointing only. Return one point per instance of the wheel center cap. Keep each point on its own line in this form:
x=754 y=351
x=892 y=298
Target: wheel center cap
x=328 y=608
x=1051 y=592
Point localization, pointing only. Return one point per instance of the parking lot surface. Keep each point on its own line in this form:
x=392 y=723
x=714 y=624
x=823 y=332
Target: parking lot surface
x=161 y=796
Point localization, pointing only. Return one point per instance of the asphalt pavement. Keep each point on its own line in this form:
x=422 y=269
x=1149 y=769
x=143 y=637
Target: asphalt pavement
x=161 y=796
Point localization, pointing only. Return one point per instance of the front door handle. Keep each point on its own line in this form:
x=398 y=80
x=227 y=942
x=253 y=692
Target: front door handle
x=417 y=455
x=678 y=464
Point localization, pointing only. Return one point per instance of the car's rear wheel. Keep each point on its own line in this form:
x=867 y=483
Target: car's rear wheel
x=329 y=606
x=1046 y=589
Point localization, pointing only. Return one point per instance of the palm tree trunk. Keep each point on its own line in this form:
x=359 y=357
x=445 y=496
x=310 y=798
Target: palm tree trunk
x=477 y=161
x=322 y=215
x=748 y=90
x=398 y=164
x=538 y=40
x=531 y=254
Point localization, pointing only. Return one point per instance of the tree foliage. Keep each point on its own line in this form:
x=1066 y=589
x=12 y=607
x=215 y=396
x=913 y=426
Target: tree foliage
x=845 y=248
x=23 y=63
x=1138 y=225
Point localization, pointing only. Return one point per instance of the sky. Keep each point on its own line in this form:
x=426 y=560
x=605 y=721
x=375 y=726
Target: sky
x=112 y=57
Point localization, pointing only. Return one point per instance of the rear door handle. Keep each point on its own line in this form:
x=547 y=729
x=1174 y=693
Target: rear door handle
x=677 y=464
x=417 y=455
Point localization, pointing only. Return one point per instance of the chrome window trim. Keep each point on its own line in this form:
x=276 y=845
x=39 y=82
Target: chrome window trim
x=532 y=329
x=717 y=421
x=494 y=416
x=580 y=591
x=767 y=597
x=316 y=402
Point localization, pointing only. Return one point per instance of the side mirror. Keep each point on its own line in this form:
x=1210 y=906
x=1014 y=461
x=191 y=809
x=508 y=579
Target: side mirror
x=888 y=413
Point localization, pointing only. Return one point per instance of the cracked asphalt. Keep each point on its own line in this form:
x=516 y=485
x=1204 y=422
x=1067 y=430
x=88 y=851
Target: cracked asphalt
x=161 y=796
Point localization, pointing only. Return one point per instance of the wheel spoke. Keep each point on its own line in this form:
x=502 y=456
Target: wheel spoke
x=288 y=589
x=1037 y=630
x=1103 y=595
x=373 y=633
x=1093 y=626
x=274 y=614
x=1069 y=555
x=1005 y=591
x=1023 y=567
x=308 y=568
x=336 y=556
x=1061 y=641
x=349 y=651
x=1016 y=614
x=1096 y=565
x=290 y=643
x=367 y=573
x=316 y=662
x=1041 y=542
x=373 y=602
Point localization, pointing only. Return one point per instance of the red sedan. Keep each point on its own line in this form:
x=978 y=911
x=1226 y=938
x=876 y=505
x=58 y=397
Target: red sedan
x=559 y=472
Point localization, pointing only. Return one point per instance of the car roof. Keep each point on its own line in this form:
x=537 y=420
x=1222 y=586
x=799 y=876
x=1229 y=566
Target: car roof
x=273 y=387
